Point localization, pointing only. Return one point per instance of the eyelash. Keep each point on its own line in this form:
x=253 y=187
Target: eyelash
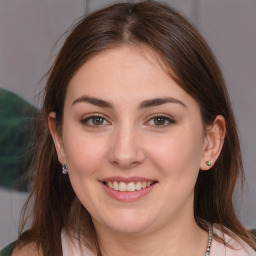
x=88 y=121
x=162 y=117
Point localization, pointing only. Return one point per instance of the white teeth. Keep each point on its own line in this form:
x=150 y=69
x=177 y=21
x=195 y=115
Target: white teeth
x=131 y=186
x=138 y=186
x=115 y=185
x=109 y=184
x=122 y=186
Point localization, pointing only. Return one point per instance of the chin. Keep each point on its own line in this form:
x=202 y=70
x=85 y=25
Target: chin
x=127 y=223
x=129 y=228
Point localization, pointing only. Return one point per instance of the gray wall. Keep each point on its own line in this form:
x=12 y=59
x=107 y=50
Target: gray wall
x=29 y=30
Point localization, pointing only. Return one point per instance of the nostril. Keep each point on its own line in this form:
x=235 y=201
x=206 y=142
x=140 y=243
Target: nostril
x=126 y=153
x=125 y=164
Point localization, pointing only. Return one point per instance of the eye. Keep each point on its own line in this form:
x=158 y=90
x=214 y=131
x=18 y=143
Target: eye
x=95 y=120
x=160 y=121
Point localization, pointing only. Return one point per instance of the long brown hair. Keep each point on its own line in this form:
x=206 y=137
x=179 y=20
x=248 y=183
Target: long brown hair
x=52 y=201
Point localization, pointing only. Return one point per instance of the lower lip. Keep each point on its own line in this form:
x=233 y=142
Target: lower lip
x=128 y=196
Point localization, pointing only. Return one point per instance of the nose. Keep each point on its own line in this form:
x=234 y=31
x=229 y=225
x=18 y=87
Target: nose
x=126 y=149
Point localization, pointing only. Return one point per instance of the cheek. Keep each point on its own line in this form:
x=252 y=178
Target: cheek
x=85 y=156
x=177 y=157
x=84 y=153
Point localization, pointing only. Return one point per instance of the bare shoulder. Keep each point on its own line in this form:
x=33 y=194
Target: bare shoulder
x=27 y=250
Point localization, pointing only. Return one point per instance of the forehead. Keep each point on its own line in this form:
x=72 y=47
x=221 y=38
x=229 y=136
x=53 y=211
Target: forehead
x=124 y=72
x=127 y=57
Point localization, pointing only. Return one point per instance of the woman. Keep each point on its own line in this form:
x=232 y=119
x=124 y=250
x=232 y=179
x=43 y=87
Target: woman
x=137 y=117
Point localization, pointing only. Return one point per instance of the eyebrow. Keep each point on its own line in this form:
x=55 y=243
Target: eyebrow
x=160 y=101
x=93 y=101
x=144 y=104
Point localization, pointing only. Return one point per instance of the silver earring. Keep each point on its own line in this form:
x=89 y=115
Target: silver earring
x=64 y=169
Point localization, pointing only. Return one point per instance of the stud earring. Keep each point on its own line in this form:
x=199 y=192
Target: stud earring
x=209 y=163
x=64 y=169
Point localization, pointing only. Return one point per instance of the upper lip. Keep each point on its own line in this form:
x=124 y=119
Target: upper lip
x=126 y=179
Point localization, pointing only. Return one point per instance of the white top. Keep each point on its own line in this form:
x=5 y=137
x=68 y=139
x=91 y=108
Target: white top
x=71 y=247
x=240 y=247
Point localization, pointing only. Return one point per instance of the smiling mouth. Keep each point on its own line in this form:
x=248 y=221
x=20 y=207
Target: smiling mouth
x=128 y=187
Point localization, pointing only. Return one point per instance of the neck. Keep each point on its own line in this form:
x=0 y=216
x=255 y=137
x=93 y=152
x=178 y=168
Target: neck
x=173 y=240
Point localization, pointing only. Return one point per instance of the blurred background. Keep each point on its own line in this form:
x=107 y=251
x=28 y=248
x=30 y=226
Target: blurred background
x=31 y=32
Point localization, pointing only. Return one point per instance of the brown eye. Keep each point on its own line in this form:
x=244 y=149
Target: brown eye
x=160 y=121
x=95 y=121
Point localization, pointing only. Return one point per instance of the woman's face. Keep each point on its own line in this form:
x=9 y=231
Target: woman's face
x=133 y=142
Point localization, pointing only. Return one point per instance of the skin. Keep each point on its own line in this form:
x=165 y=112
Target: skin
x=128 y=140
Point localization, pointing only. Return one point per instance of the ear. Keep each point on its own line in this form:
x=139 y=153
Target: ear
x=213 y=142
x=57 y=138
